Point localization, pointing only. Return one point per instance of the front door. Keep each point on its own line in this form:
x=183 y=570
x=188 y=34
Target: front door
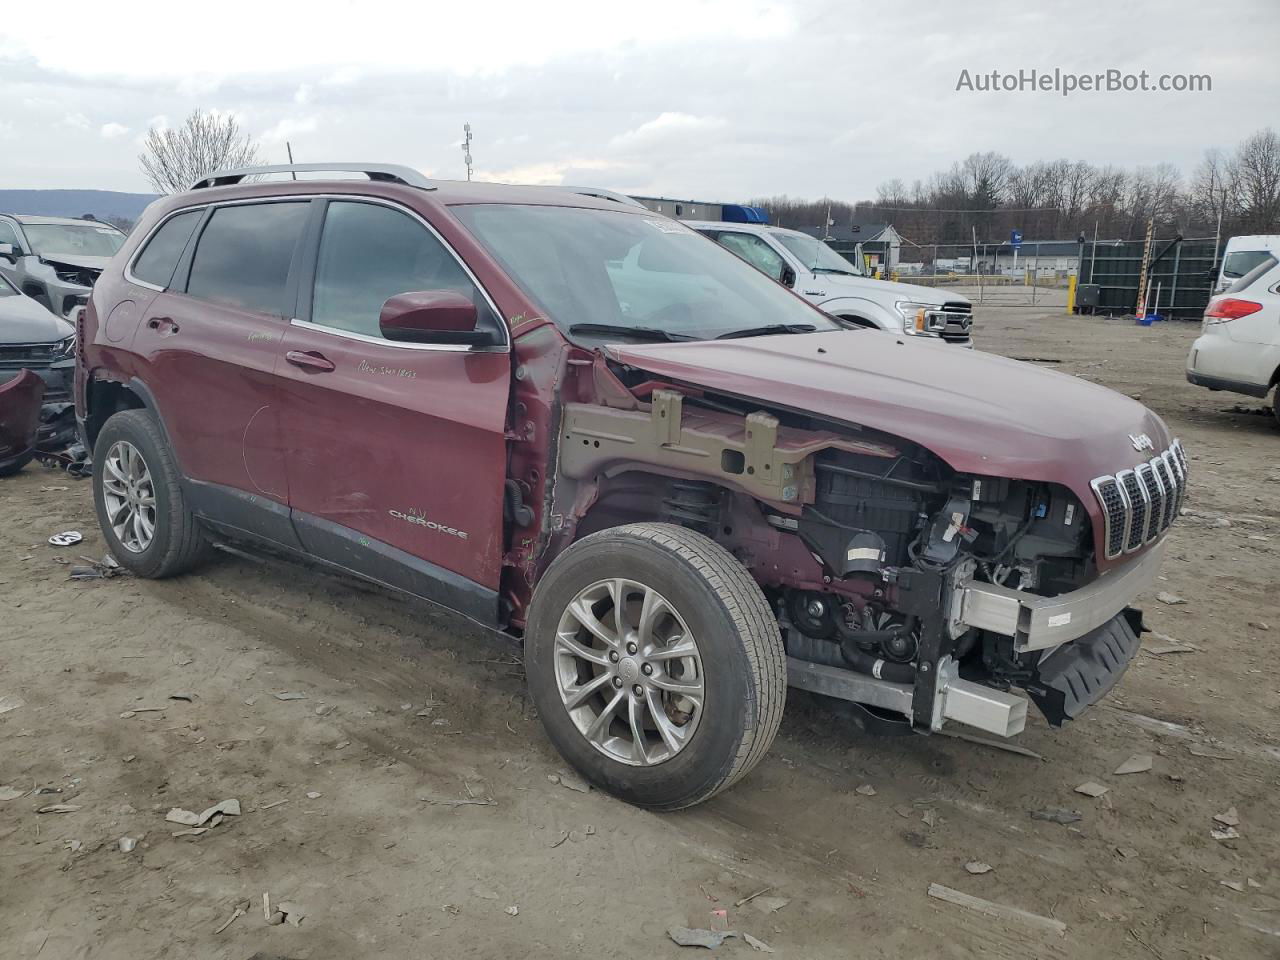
x=395 y=452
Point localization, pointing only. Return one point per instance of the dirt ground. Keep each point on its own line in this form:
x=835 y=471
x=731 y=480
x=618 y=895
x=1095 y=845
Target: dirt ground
x=421 y=821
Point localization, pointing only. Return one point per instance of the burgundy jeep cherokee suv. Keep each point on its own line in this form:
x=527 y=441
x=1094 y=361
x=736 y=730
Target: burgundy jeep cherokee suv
x=580 y=423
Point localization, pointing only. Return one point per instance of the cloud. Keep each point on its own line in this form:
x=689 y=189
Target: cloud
x=290 y=127
x=77 y=121
x=111 y=131
x=665 y=128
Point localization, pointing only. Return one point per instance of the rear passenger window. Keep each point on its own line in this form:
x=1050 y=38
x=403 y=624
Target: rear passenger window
x=243 y=256
x=160 y=256
x=370 y=253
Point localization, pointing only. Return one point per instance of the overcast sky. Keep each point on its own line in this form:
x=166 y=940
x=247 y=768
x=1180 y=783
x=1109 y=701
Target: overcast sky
x=709 y=99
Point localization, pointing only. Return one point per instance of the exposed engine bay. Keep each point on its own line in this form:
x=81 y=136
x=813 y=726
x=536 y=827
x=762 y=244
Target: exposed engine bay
x=899 y=583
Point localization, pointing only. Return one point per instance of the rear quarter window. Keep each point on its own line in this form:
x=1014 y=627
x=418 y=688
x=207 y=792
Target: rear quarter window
x=1241 y=262
x=159 y=257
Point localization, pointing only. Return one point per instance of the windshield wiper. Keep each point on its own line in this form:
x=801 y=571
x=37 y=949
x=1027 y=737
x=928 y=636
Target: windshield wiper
x=847 y=273
x=638 y=333
x=768 y=330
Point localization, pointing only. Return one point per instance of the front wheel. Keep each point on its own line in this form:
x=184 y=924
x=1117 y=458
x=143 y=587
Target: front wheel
x=655 y=663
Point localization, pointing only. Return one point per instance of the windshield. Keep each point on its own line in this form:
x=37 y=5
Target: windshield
x=815 y=254
x=603 y=267
x=73 y=239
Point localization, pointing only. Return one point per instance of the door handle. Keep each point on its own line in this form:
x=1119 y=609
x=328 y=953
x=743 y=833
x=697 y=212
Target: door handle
x=163 y=324
x=309 y=360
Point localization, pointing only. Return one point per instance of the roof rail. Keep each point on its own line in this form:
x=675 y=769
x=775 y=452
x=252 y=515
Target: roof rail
x=383 y=172
x=601 y=194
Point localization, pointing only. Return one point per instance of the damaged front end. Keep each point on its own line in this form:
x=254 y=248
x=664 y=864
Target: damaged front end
x=923 y=594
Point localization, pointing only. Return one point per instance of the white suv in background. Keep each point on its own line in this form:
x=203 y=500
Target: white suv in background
x=1238 y=349
x=841 y=288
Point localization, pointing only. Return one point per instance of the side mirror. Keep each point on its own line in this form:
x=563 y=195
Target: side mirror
x=788 y=277
x=431 y=316
x=7 y=252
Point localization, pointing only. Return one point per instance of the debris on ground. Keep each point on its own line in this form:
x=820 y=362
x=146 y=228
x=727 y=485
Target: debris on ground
x=292 y=912
x=1170 y=598
x=66 y=539
x=1056 y=815
x=570 y=780
x=977 y=867
x=193 y=832
x=757 y=944
x=1228 y=819
x=59 y=808
x=995 y=744
x=695 y=937
x=512 y=911
x=1236 y=885
x=127 y=844
x=930 y=817
x=866 y=790
x=1224 y=833
x=240 y=910
x=187 y=818
x=103 y=569
x=11 y=703
x=314 y=795
x=1091 y=789
x=770 y=904
x=1138 y=763
x=750 y=897
x=291 y=695
x=10 y=793
x=997 y=910
x=189 y=697
x=1127 y=853
x=1259 y=625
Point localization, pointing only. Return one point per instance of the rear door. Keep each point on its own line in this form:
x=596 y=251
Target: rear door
x=396 y=453
x=210 y=344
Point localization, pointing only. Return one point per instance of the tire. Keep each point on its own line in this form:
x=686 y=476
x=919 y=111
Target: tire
x=706 y=744
x=15 y=466
x=1275 y=404
x=177 y=543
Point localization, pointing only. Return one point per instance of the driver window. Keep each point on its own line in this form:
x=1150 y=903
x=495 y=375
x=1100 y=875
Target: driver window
x=755 y=251
x=370 y=253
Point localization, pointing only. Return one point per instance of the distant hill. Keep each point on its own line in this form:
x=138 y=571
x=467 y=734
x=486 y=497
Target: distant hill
x=103 y=204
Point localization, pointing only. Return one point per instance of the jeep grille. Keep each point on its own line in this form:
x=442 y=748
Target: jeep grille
x=1139 y=505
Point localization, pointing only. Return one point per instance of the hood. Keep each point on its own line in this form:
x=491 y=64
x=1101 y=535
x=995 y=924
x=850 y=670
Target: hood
x=96 y=264
x=899 y=291
x=980 y=413
x=23 y=320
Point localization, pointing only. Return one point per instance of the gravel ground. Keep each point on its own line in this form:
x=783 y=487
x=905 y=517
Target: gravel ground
x=420 y=817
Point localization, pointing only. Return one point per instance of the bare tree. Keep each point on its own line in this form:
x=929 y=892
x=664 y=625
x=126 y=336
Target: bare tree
x=175 y=158
x=1257 y=169
x=1212 y=197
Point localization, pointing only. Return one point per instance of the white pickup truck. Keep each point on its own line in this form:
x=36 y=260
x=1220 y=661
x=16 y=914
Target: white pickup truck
x=842 y=288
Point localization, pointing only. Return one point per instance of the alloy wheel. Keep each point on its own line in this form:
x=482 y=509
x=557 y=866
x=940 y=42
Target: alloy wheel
x=129 y=496
x=629 y=672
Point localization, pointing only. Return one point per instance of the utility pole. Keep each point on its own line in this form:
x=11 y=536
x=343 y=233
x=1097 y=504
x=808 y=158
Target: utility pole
x=289 y=149
x=466 y=147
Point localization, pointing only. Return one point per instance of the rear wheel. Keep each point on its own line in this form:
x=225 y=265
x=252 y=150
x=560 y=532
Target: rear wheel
x=655 y=663
x=138 y=494
x=1275 y=404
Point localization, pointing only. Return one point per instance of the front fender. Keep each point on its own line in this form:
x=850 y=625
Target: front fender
x=867 y=309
